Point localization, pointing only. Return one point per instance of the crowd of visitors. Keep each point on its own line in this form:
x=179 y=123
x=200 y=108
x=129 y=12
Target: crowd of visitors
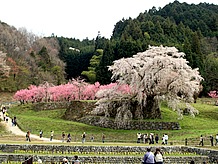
x=211 y=138
x=151 y=138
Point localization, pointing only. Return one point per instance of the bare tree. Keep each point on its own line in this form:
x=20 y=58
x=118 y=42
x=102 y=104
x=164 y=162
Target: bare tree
x=4 y=68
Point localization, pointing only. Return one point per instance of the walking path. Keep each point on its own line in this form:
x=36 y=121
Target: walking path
x=17 y=131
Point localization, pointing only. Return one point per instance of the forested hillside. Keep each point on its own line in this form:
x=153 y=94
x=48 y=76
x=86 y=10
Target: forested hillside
x=192 y=29
x=33 y=60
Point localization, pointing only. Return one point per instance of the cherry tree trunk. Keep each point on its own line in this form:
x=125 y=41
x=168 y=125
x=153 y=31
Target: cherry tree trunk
x=152 y=109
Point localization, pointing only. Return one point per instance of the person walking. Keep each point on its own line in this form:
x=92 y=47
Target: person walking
x=15 y=121
x=148 y=157
x=216 y=139
x=51 y=135
x=138 y=137
x=156 y=138
x=166 y=139
x=63 y=136
x=201 y=140
x=68 y=137
x=163 y=140
x=103 y=137
x=40 y=133
x=28 y=136
x=158 y=156
x=84 y=137
x=92 y=138
x=211 y=140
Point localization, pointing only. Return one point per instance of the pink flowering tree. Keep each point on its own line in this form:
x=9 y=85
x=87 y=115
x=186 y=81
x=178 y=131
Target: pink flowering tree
x=75 y=89
x=214 y=94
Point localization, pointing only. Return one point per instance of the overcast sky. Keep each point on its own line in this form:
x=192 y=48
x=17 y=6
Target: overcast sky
x=75 y=18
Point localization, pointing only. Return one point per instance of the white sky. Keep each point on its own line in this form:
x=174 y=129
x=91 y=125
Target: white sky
x=76 y=18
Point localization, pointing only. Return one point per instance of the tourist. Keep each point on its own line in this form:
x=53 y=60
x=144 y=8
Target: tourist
x=163 y=140
x=166 y=138
x=103 y=137
x=151 y=136
x=68 y=137
x=15 y=121
x=92 y=138
x=51 y=135
x=28 y=136
x=148 y=157
x=39 y=161
x=4 y=110
x=211 y=140
x=146 y=138
x=84 y=137
x=40 y=133
x=75 y=160
x=216 y=139
x=65 y=161
x=6 y=117
x=156 y=139
x=201 y=140
x=63 y=136
x=28 y=160
x=158 y=156
x=138 y=137
x=12 y=122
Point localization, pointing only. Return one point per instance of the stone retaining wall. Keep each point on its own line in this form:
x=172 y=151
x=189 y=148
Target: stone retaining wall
x=10 y=148
x=50 y=105
x=201 y=153
x=132 y=125
x=102 y=159
x=80 y=111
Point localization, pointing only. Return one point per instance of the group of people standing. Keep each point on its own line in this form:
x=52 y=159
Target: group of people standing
x=151 y=138
x=63 y=136
x=201 y=143
x=68 y=137
x=5 y=115
x=152 y=158
x=83 y=136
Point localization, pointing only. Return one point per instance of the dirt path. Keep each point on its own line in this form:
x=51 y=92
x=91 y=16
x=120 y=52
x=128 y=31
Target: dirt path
x=17 y=131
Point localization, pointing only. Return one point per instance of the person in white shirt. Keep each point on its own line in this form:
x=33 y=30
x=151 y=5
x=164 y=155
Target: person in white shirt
x=166 y=138
x=158 y=156
x=216 y=139
x=138 y=137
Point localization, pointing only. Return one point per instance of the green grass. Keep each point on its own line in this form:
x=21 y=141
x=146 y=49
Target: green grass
x=47 y=120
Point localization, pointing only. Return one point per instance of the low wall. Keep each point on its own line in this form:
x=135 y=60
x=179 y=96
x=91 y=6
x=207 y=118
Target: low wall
x=201 y=153
x=50 y=105
x=101 y=159
x=132 y=125
x=79 y=111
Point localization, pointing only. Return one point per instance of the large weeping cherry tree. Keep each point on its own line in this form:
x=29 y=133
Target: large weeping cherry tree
x=160 y=73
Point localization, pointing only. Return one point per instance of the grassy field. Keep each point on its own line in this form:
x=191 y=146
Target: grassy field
x=191 y=128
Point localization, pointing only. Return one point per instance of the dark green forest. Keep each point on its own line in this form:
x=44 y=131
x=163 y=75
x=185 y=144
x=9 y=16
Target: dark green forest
x=192 y=29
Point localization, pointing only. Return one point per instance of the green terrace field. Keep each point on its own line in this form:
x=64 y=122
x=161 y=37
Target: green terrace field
x=47 y=120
